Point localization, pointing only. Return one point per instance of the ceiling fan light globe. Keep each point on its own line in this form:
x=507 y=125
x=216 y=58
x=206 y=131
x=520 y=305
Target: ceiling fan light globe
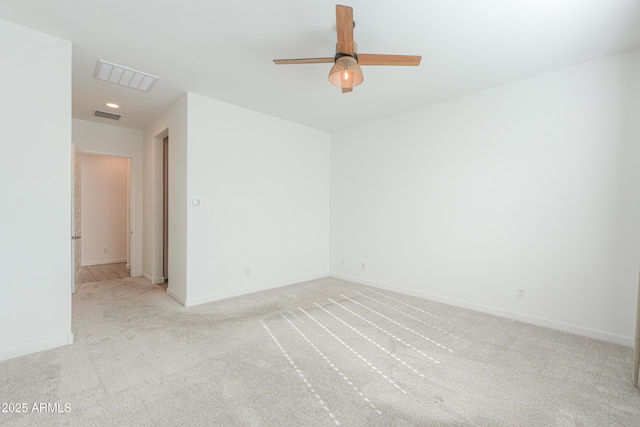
x=346 y=73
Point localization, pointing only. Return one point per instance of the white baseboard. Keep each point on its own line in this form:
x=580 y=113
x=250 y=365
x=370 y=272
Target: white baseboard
x=36 y=347
x=104 y=261
x=190 y=302
x=176 y=297
x=153 y=280
x=552 y=324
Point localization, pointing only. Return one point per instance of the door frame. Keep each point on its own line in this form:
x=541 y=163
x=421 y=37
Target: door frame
x=132 y=249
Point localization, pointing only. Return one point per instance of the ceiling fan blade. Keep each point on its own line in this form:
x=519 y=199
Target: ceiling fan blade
x=375 y=59
x=344 y=25
x=347 y=89
x=304 y=61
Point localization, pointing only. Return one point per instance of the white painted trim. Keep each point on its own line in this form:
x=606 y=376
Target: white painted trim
x=36 y=347
x=176 y=297
x=552 y=324
x=153 y=280
x=102 y=262
x=249 y=290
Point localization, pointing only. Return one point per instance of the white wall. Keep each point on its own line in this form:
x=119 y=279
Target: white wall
x=104 y=181
x=532 y=185
x=103 y=139
x=35 y=171
x=264 y=187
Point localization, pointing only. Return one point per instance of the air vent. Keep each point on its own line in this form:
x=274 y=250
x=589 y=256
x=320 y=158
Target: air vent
x=105 y=115
x=124 y=76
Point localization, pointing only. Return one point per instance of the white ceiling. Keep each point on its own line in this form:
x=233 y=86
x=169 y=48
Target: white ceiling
x=224 y=50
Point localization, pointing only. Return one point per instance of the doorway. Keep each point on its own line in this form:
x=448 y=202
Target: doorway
x=103 y=203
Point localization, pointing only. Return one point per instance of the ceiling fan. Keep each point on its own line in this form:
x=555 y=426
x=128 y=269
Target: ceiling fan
x=346 y=72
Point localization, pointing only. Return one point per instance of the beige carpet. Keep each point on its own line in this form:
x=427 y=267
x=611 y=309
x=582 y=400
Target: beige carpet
x=320 y=353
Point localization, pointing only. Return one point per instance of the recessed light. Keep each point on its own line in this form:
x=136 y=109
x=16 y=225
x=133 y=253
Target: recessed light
x=112 y=105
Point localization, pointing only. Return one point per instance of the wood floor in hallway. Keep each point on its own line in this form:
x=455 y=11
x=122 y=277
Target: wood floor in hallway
x=99 y=273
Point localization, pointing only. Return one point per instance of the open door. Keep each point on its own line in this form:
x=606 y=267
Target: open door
x=77 y=246
x=165 y=208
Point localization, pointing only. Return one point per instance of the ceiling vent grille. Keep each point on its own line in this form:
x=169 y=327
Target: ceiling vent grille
x=105 y=115
x=124 y=76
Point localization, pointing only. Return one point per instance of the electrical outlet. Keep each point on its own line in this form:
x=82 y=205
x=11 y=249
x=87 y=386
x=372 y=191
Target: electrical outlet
x=521 y=293
x=362 y=266
x=105 y=250
x=247 y=272
x=341 y=263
